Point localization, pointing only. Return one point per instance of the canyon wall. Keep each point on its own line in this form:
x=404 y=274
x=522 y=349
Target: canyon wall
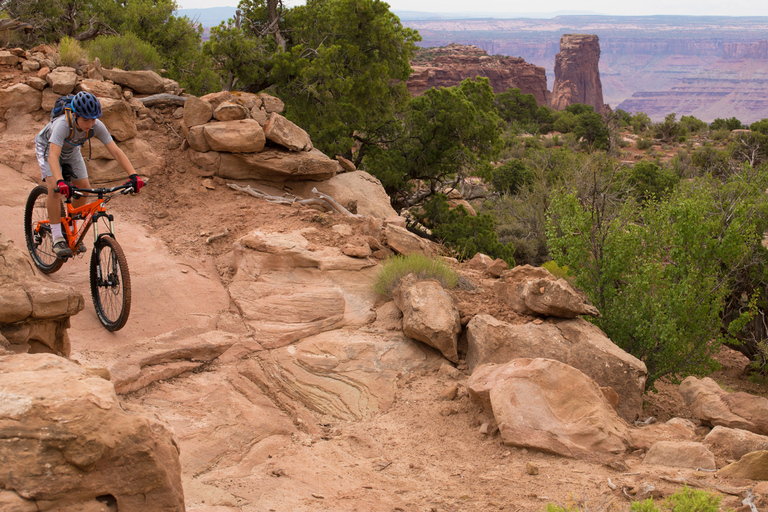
x=448 y=66
x=679 y=62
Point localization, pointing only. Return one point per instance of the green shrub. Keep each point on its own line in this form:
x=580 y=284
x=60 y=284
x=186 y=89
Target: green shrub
x=465 y=234
x=556 y=270
x=423 y=267
x=684 y=500
x=721 y=134
x=126 y=52
x=70 y=52
x=510 y=176
x=643 y=143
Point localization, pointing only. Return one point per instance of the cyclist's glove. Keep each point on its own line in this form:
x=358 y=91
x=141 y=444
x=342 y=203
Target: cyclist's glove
x=135 y=181
x=63 y=189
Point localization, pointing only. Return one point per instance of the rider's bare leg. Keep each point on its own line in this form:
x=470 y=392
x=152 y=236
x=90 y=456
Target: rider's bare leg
x=83 y=183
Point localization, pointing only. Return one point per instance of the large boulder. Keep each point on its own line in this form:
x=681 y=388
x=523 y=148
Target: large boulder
x=429 y=314
x=733 y=443
x=197 y=111
x=550 y=406
x=34 y=312
x=62 y=80
x=243 y=136
x=575 y=342
x=228 y=111
x=680 y=454
x=117 y=116
x=283 y=132
x=358 y=188
x=276 y=164
x=68 y=441
x=19 y=99
x=535 y=291
x=715 y=406
x=404 y=242
x=103 y=170
x=142 y=82
x=753 y=466
x=100 y=88
x=347 y=374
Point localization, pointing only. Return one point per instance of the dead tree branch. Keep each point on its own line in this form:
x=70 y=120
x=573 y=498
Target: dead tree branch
x=163 y=99
x=324 y=201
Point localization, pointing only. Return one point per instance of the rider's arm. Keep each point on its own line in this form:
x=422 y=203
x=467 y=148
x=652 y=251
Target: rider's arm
x=54 y=153
x=121 y=158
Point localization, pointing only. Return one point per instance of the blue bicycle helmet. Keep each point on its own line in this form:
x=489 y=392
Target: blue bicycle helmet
x=86 y=105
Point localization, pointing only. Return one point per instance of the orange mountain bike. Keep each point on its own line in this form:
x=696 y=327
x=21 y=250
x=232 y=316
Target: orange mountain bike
x=109 y=277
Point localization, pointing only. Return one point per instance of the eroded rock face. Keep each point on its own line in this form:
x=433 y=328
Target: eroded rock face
x=34 y=312
x=449 y=65
x=62 y=80
x=103 y=170
x=429 y=315
x=118 y=117
x=715 y=406
x=100 y=88
x=366 y=191
x=197 y=111
x=277 y=164
x=286 y=291
x=576 y=342
x=577 y=77
x=548 y=405
x=67 y=440
x=346 y=374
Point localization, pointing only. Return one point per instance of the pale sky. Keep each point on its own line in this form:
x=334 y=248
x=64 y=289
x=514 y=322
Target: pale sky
x=637 y=7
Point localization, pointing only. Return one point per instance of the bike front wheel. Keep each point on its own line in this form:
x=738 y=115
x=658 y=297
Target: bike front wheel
x=110 y=283
x=37 y=231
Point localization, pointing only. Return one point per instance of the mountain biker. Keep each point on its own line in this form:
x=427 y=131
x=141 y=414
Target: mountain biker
x=58 y=145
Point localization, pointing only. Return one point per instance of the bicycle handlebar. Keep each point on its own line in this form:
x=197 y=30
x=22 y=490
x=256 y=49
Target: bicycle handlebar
x=125 y=188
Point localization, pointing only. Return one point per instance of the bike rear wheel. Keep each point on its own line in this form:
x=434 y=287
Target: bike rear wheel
x=110 y=283
x=37 y=231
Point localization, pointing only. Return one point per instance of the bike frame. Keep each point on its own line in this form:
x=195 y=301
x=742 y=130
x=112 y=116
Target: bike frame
x=88 y=214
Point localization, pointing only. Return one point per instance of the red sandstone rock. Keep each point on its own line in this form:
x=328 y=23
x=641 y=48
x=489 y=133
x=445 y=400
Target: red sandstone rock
x=449 y=65
x=577 y=77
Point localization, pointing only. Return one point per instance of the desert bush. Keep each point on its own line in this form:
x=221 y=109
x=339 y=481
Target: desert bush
x=721 y=134
x=556 y=270
x=649 y=180
x=725 y=124
x=126 y=52
x=643 y=143
x=465 y=234
x=396 y=268
x=510 y=176
x=70 y=52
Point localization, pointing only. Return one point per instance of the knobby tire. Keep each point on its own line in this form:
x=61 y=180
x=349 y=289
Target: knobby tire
x=40 y=244
x=110 y=283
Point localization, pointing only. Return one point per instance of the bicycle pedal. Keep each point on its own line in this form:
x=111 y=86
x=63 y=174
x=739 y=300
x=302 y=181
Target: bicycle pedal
x=81 y=248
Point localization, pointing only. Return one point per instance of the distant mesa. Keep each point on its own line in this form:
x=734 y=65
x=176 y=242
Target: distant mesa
x=577 y=77
x=448 y=65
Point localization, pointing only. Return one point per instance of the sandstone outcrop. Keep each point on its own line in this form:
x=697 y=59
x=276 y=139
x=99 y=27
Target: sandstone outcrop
x=733 y=443
x=548 y=405
x=753 y=466
x=429 y=314
x=68 y=442
x=535 y=291
x=349 y=375
x=577 y=76
x=680 y=454
x=34 y=312
x=715 y=406
x=142 y=82
x=449 y=65
x=575 y=342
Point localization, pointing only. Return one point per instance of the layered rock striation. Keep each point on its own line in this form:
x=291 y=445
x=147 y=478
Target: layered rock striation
x=449 y=65
x=577 y=77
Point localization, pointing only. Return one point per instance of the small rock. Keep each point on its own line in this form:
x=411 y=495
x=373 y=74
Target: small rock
x=531 y=469
x=208 y=183
x=449 y=393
